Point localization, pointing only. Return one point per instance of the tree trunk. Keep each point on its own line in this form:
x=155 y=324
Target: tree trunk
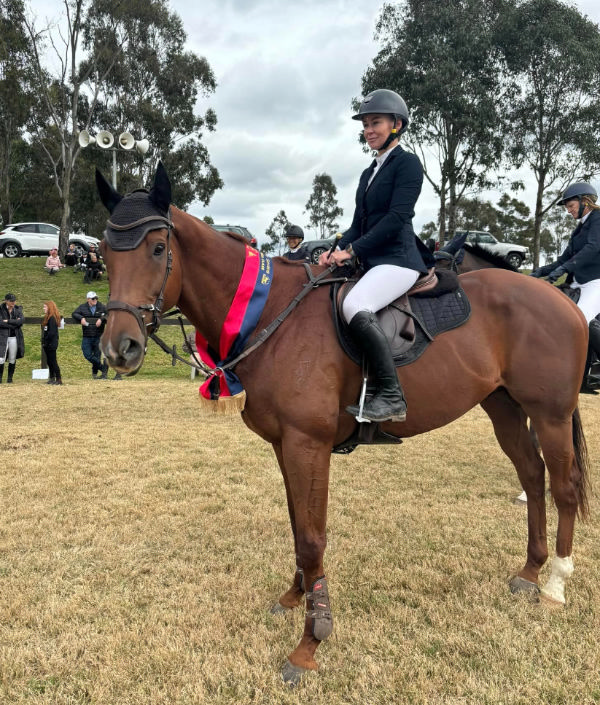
x=442 y=227
x=537 y=222
x=63 y=241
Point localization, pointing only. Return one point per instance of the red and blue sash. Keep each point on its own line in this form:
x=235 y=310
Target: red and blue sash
x=241 y=319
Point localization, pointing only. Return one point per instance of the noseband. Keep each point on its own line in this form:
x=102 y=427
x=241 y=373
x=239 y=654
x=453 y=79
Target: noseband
x=139 y=312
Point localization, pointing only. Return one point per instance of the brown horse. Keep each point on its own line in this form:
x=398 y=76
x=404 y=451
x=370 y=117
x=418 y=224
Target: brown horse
x=158 y=255
x=461 y=256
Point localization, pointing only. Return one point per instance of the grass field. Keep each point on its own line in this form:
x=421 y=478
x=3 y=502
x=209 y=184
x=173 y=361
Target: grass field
x=26 y=278
x=143 y=541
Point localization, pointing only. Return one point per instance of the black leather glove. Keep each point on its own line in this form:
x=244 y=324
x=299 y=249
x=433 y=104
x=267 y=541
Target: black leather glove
x=537 y=272
x=556 y=274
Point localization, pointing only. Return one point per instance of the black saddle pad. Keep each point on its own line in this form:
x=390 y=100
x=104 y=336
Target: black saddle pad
x=434 y=312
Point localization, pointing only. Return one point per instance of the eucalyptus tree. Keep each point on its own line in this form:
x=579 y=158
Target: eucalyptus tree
x=276 y=234
x=552 y=55
x=92 y=58
x=16 y=100
x=153 y=89
x=442 y=59
x=322 y=206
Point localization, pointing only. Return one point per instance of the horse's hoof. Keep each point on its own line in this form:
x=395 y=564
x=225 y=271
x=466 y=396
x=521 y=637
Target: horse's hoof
x=520 y=586
x=550 y=602
x=279 y=609
x=292 y=675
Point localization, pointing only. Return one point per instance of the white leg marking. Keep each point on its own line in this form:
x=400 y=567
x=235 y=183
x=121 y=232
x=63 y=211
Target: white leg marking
x=562 y=569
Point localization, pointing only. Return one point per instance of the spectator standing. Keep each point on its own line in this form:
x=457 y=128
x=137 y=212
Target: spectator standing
x=50 y=325
x=294 y=236
x=53 y=263
x=92 y=317
x=12 y=343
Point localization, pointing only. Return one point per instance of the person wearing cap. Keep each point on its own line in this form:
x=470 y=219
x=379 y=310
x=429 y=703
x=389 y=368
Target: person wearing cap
x=296 y=251
x=580 y=261
x=53 y=263
x=12 y=343
x=92 y=317
x=382 y=237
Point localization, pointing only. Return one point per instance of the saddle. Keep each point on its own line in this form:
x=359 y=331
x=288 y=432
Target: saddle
x=436 y=304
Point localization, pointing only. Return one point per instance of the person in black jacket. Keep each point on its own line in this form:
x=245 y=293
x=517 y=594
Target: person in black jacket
x=581 y=261
x=50 y=325
x=296 y=251
x=12 y=343
x=93 y=268
x=382 y=237
x=92 y=316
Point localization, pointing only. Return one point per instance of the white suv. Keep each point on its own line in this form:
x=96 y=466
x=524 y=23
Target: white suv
x=20 y=239
x=513 y=254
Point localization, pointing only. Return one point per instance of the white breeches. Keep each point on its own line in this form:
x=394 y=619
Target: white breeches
x=10 y=352
x=378 y=288
x=589 y=300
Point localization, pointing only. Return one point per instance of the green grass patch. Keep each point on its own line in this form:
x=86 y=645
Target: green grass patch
x=32 y=285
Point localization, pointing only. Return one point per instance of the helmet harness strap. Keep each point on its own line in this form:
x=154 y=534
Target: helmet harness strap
x=394 y=135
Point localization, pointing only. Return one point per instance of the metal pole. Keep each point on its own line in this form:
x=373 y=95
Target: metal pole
x=114 y=169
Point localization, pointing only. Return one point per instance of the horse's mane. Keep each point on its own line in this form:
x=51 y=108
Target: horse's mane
x=496 y=260
x=235 y=236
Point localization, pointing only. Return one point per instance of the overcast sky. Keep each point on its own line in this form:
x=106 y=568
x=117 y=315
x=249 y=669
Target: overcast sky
x=286 y=74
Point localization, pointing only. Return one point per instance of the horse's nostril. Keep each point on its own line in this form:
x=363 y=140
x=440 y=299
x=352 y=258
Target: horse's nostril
x=129 y=348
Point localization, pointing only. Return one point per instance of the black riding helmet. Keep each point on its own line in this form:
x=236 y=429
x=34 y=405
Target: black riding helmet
x=295 y=231
x=385 y=102
x=578 y=190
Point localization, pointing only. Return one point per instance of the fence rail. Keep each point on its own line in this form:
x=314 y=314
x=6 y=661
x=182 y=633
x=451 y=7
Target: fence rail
x=166 y=322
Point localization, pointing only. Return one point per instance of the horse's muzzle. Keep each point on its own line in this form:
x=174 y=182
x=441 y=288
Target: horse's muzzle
x=128 y=356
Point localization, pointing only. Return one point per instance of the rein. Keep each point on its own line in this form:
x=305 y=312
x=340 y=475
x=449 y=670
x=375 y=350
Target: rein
x=312 y=283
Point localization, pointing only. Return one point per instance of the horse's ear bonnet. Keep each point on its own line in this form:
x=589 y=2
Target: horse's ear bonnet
x=141 y=211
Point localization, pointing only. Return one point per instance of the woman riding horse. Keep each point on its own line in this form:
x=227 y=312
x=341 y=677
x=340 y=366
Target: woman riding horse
x=507 y=357
x=581 y=262
x=382 y=236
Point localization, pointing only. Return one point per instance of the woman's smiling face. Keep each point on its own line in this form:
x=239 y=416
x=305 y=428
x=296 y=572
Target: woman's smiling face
x=377 y=128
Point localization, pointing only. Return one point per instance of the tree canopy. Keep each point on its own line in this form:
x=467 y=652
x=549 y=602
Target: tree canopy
x=441 y=58
x=552 y=58
x=322 y=206
x=116 y=66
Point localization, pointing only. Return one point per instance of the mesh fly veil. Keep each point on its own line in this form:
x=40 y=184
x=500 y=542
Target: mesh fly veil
x=132 y=219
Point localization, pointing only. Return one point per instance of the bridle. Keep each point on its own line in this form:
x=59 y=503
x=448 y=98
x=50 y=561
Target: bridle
x=447 y=257
x=139 y=312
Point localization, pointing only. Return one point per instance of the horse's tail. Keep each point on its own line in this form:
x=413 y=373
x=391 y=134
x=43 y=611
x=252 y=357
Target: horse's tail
x=583 y=465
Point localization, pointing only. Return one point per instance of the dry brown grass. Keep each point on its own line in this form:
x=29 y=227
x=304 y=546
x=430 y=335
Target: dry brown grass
x=143 y=541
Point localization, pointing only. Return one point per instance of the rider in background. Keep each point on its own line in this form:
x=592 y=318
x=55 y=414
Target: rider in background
x=294 y=236
x=581 y=261
x=382 y=237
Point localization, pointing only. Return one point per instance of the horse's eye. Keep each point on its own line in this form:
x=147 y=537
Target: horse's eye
x=159 y=249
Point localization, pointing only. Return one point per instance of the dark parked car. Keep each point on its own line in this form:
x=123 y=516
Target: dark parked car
x=316 y=247
x=239 y=229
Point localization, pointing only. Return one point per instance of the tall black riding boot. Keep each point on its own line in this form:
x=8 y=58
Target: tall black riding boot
x=592 y=354
x=388 y=404
x=1 y=372
x=11 y=371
